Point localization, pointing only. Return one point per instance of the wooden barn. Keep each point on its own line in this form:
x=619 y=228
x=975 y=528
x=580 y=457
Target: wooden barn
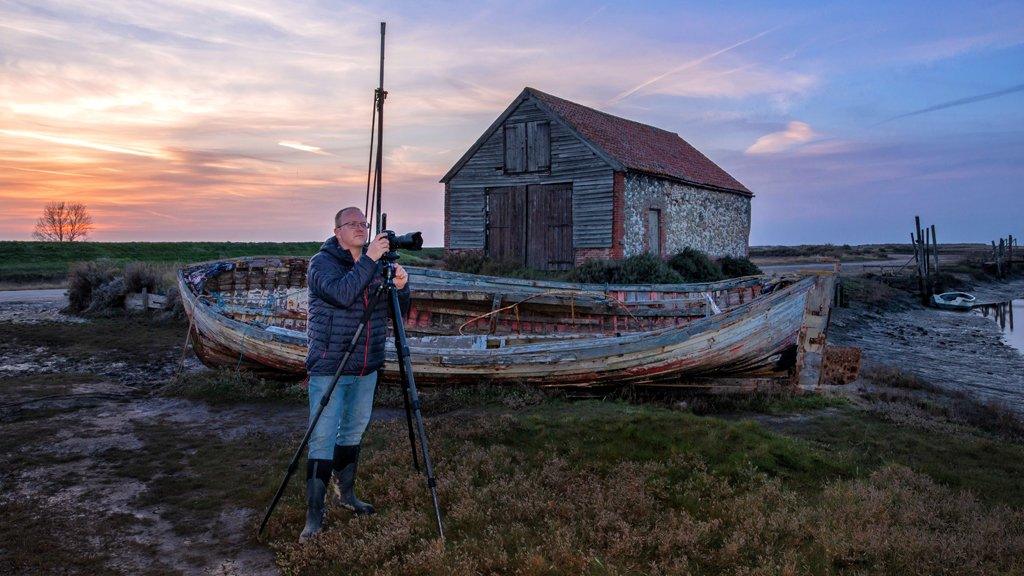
x=552 y=183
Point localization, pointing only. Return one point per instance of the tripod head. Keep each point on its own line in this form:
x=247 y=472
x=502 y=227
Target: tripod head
x=409 y=241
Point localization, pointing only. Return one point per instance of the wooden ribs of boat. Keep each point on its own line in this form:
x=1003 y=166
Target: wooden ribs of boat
x=251 y=312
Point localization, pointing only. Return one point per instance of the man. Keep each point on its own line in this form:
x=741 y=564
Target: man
x=342 y=278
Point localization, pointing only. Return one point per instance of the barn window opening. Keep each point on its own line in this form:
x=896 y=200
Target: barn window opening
x=527 y=147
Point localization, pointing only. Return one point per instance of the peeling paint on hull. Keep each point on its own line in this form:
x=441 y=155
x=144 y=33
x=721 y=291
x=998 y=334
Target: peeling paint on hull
x=755 y=338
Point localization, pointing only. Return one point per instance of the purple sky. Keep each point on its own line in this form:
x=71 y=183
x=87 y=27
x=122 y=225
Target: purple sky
x=250 y=120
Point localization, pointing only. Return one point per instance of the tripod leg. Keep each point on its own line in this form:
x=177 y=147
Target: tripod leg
x=396 y=321
x=324 y=401
x=402 y=348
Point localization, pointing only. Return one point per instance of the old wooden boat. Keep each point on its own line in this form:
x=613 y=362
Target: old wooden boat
x=250 y=312
x=446 y=303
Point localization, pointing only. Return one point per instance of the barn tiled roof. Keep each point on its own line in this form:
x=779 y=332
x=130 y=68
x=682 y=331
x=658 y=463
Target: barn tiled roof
x=641 y=147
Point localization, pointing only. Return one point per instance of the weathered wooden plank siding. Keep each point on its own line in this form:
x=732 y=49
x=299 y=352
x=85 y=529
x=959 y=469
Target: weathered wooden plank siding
x=571 y=161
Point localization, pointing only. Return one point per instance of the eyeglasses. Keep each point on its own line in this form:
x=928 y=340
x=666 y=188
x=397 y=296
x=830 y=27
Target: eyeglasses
x=355 y=225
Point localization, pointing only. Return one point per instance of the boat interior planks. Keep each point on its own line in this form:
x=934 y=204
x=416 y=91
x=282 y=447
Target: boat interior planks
x=273 y=290
x=250 y=312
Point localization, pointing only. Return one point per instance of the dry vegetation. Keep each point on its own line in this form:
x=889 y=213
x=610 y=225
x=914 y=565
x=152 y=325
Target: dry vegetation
x=609 y=488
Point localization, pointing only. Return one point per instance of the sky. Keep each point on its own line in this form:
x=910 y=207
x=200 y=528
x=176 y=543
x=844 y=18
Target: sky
x=250 y=121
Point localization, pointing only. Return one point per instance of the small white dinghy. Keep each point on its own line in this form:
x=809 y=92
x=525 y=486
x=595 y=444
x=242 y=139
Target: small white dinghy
x=954 y=301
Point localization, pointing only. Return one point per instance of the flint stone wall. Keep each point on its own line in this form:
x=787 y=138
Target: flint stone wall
x=717 y=223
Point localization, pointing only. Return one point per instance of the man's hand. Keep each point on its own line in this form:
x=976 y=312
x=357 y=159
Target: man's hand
x=401 y=277
x=378 y=247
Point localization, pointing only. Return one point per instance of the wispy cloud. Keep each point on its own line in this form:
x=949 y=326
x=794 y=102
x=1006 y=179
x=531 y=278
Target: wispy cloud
x=303 y=147
x=686 y=66
x=796 y=133
x=958 y=102
x=83 y=143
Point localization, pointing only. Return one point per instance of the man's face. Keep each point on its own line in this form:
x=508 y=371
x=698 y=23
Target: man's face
x=351 y=229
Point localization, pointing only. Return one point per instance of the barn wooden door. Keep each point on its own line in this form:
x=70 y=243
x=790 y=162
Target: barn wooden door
x=549 y=235
x=506 y=224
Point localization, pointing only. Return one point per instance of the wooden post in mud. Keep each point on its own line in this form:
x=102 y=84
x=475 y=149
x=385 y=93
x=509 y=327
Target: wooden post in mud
x=935 y=245
x=1009 y=253
x=929 y=248
x=1002 y=257
x=919 y=252
x=995 y=258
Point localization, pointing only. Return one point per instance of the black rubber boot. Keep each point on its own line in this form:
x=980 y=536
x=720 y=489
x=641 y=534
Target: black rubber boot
x=346 y=462
x=318 y=475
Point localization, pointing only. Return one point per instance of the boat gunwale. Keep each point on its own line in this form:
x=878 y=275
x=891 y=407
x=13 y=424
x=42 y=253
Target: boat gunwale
x=598 y=340
x=536 y=284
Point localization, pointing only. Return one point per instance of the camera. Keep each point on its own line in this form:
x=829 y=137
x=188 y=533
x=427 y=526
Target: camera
x=410 y=241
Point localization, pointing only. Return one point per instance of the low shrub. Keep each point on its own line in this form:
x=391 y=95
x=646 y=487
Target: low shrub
x=736 y=267
x=645 y=269
x=467 y=262
x=139 y=276
x=84 y=278
x=594 y=272
x=695 y=266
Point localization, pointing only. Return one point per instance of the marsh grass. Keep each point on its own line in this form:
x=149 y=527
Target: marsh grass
x=225 y=386
x=137 y=339
x=609 y=488
x=897 y=387
x=442 y=399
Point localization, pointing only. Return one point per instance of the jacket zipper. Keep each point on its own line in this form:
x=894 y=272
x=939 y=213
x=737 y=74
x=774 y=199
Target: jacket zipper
x=369 y=330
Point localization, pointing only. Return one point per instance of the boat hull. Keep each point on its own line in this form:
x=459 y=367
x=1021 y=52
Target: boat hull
x=755 y=338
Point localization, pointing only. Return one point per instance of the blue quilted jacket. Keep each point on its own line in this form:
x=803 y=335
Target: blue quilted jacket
x=339 y=292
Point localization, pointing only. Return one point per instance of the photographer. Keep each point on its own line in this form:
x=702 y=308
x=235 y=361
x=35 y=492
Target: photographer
x=342 y=278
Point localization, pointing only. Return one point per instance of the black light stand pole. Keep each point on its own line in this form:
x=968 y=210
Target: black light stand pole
x=379 y=168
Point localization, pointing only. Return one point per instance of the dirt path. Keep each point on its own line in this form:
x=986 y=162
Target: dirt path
x=52 y=295
x=961 y=351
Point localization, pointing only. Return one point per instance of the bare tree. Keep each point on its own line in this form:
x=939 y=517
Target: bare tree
x=63 y=222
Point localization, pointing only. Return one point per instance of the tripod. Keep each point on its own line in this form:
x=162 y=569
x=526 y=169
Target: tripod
x=410 y=395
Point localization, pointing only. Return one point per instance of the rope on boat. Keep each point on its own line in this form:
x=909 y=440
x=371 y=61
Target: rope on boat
x=184 y=348
x=572 y=293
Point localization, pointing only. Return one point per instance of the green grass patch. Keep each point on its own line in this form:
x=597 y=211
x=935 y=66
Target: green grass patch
x=603 y=434
x=989 y=467
x=225 y=386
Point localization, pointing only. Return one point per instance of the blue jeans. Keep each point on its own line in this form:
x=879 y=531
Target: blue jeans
x=345 y=418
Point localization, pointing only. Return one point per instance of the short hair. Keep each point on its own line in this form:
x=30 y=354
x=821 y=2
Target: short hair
x=337 y=217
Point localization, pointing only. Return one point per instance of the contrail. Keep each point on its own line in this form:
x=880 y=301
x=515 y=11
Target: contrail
x=960 y=102
x=688 y=65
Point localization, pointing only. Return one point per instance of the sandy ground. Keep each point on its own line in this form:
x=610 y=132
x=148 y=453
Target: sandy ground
x=955 y=350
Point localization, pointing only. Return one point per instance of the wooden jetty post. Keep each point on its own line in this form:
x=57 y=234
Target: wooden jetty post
x=920 y=256
x=1009 y=252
